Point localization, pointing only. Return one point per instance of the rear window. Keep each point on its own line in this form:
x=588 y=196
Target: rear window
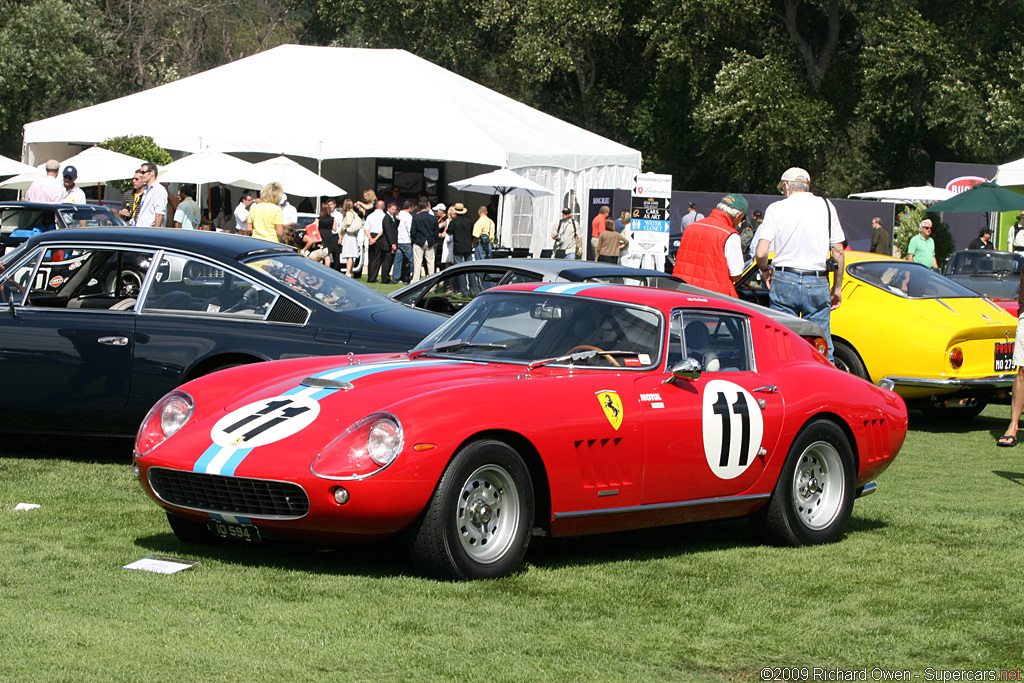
x=909 y=280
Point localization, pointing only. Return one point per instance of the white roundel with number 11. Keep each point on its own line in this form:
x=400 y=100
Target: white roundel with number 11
x=733 y=428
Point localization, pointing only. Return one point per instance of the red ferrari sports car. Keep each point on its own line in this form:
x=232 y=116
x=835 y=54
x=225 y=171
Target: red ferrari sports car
x=559 y=408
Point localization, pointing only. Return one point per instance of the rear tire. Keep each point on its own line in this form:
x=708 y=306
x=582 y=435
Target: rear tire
x=813 y=498
x=847 y=360
x=190 y=532
x=479 y=521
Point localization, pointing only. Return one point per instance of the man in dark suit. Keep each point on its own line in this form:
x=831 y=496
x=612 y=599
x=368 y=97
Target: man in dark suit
x=388 y=243
x=424 y=234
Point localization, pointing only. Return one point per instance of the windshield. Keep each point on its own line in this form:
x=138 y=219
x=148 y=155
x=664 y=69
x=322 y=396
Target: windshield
x=88 y=215
x=316 y=281
x=528 y=327
x=910 y=280
x=984 y=263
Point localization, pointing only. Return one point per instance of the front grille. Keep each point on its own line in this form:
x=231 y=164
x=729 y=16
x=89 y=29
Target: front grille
x=229 y=495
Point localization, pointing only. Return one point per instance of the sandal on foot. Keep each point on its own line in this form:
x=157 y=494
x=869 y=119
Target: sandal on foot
x=1007 y=441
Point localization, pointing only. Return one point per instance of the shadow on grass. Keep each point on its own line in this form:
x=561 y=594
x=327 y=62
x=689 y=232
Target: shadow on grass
x=86 y=449
x=1015 y=477
x=381 y=559
x=389 y=558
x=950 y=424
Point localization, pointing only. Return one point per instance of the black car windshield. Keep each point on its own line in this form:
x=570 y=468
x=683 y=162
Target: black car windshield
x=316 y=281
x=910 y=280
x=89 y=215
x=985 y=263
x=526 y=327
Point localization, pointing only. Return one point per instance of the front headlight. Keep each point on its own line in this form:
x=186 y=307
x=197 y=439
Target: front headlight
x=366 y=447
x=165 y=418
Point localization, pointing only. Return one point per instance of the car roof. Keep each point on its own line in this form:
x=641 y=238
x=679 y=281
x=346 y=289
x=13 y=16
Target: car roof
x=645 y=296
x=567 y=268
x=224 y=245
x=48 y=205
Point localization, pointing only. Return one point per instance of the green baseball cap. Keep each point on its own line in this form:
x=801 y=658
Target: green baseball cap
x=736 y=201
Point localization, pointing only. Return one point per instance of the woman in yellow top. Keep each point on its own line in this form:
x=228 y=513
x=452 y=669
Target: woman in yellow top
x=265 y=220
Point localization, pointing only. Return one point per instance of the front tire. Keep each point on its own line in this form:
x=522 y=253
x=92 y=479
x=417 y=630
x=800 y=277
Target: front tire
x=477 y=524
x=813 y=498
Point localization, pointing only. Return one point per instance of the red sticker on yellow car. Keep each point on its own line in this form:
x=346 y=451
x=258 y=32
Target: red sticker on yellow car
x=611 y=404
x=732 y=427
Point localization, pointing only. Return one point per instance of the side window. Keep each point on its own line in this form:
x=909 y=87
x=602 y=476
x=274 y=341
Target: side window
x=72 y=277
x=720 y=342
x=183 y=284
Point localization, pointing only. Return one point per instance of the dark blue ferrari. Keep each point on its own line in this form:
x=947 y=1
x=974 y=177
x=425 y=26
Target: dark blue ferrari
x=97 y=324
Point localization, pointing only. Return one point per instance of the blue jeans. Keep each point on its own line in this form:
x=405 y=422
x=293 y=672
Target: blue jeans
x=483 y=248
x=403 y=262
x=806 y=296
x=464 y=283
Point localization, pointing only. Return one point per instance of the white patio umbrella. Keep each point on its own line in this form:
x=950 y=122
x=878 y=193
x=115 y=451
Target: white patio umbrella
x=924 y=194
x=12 y=167
x=95 y=166
x=205 y=167
x=501 y=182
x=296 y=179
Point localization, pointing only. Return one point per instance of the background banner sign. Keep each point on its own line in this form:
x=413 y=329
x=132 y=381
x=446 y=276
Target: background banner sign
x=650 y=210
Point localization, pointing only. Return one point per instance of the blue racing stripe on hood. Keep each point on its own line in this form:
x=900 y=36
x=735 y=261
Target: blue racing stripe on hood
x=224 y=460
x=566 y=287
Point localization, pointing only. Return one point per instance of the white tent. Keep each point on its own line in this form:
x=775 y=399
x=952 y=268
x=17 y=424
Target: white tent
x=922 y=194
x=441 y=116
x=1010 y=174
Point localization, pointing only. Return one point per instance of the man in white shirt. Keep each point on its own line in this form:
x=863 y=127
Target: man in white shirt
x=72 y=193
x=242 y=213
x=154 y=199
x=289 y=214
x=402 y=270
x=374 y=228
x=804 y=230
x=47 y=189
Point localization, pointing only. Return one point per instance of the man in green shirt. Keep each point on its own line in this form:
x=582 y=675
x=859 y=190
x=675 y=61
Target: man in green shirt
x=922 y=247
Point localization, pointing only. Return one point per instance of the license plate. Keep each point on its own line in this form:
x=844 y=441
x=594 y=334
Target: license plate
x=1004 y=357
x=237 y=532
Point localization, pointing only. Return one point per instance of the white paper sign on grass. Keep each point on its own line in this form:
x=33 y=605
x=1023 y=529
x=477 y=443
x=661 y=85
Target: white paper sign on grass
x=161 y=565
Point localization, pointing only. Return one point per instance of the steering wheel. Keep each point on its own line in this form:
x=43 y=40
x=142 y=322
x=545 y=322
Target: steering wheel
x=588 y=347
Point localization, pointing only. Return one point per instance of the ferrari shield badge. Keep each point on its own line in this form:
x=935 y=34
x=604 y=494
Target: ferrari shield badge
x=611 y=404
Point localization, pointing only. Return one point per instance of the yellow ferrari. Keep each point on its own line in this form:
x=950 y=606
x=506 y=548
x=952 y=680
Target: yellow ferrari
x=941 y=346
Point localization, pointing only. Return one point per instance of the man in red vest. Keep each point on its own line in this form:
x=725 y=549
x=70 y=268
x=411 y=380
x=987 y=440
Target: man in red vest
x=710 y=255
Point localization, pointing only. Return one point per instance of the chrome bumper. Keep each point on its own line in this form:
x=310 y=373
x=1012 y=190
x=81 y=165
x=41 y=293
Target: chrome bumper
x=867 y=489
x=991 y=382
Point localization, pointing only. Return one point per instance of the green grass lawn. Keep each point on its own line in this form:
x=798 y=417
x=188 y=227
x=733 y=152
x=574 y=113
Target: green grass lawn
x=929 y=575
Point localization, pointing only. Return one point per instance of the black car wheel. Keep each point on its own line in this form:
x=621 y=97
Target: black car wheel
x=813 y=497
x=478 y=522
x=847 y=360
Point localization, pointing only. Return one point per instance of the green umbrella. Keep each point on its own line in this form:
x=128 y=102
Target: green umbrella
x=983 y=197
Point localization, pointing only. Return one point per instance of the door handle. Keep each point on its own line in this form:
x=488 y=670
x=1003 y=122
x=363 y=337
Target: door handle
x=767 y=389
x=114 y=341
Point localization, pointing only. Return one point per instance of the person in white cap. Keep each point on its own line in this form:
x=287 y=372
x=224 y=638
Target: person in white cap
x=804 y=230
x=289 y=214
x=47 y=189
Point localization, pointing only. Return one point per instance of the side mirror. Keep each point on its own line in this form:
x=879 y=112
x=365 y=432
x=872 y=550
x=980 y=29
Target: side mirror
x=688 y=368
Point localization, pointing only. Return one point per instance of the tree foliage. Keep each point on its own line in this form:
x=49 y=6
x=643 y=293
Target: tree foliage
x=722 y=94
x=138 y=146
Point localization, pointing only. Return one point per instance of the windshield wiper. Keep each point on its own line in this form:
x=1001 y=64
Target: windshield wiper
x=579 y=355
x=455 y=345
